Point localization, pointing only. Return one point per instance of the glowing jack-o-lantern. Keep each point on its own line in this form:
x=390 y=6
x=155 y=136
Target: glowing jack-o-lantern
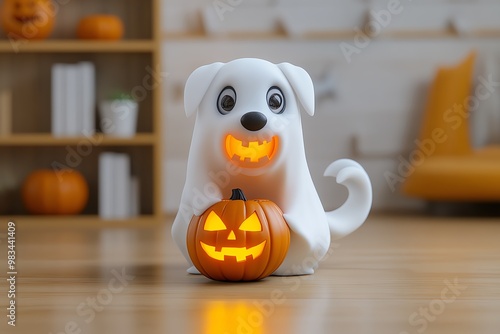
x=253 y=154
x=238 y=239
x=28 y=19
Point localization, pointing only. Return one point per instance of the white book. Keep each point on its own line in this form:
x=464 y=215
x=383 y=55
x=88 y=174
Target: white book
x=122 y=185
x=106 y=185
x=73 y=91
x=87 y=71
x=58 y=97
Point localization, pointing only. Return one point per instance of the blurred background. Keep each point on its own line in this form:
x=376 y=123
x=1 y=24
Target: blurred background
x=372 y=62
x=377 y=67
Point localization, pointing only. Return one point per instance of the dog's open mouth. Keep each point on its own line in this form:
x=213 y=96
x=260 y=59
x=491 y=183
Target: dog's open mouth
x=251 y=154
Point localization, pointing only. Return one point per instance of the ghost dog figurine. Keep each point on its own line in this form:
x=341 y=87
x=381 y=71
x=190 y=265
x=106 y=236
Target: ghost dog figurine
x=248 y=135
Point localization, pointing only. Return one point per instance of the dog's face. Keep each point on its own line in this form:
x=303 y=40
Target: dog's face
x=249 y=110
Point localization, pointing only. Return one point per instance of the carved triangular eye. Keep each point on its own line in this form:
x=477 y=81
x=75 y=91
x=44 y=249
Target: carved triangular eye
x=251 y=224
x=214 y=223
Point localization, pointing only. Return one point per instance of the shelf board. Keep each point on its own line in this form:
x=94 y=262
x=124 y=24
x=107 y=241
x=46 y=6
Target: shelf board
x=229 y=36
x=67 y=46
x=46 y=139
x=143 y=220
x=326 y=35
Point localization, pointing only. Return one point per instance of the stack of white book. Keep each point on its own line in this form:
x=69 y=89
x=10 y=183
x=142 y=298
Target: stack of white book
x=73 y=99
x=118 y=190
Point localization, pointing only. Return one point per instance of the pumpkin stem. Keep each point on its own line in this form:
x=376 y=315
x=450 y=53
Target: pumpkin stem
x=238 y=195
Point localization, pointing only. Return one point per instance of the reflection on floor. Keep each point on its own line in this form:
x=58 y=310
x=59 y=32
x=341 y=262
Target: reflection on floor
x=396 y=274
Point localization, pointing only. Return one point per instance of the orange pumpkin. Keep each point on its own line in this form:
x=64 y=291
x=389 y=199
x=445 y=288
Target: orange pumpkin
x=238 y=239
x=49 y=192
x=100 y=26
x=28 y=19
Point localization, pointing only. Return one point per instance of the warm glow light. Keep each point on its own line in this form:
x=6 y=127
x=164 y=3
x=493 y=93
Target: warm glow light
x=214 y=223
x=231 y=236
x=247 y=239
x=253 y=152
x=251 y=224
x=224 y=317
x=240 y=253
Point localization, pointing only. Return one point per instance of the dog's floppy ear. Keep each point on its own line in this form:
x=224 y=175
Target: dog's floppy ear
x=197 y=85
x=301 y=83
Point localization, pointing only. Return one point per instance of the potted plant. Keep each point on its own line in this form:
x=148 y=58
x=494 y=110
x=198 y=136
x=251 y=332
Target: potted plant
x=119 y=115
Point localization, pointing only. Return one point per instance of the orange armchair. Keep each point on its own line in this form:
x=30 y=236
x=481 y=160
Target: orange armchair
x=448 y=168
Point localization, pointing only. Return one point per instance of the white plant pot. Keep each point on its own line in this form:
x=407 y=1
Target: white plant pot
x=119 y=117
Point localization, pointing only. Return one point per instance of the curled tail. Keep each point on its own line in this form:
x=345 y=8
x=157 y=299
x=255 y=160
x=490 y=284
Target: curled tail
x=352 y=214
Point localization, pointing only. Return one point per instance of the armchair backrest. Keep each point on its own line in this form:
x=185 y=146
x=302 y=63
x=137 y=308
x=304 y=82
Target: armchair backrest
x=446 y=111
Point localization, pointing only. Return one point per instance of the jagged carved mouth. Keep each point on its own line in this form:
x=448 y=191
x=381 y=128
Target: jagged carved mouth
x=251 y=154
x=240 y=253
x=26 y=19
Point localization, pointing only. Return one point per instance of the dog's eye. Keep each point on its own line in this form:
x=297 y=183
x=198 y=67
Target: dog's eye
x=226 y=100
x=275 y=100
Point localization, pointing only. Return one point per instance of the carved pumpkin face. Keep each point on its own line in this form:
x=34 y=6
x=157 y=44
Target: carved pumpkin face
x=238 y=240
x=28 y=19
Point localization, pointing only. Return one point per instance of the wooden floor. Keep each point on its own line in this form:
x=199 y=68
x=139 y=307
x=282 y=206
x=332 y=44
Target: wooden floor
x=395 y=275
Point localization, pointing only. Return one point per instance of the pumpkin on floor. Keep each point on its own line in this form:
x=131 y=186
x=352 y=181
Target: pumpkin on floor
x=238 y=239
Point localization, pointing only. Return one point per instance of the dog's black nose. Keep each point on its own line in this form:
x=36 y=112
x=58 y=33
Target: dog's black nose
x=253 y=121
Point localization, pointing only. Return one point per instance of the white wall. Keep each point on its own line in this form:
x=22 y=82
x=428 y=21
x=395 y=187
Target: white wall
x=373 y=116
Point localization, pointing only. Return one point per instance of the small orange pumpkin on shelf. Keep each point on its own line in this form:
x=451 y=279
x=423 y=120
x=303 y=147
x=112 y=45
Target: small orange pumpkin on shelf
x=100 y=26
x=238 y=239
x=28 y=19
x=49 y=192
